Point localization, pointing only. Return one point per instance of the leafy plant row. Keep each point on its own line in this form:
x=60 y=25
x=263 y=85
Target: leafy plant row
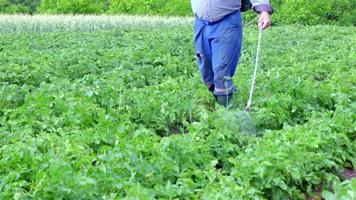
x=123 y=114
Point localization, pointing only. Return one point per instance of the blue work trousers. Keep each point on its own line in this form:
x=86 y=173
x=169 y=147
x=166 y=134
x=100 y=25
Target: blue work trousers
x=218 y=49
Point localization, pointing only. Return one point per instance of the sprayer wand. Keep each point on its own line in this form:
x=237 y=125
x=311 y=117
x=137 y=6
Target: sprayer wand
x=248 y=106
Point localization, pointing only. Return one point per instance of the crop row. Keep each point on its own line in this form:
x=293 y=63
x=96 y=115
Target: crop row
x=123 y=113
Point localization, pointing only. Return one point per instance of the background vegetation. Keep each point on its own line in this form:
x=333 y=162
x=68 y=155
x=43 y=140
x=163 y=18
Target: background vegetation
x=340 y=12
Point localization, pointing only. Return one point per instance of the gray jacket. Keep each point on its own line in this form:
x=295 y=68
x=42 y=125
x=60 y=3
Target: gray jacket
x=214 y=10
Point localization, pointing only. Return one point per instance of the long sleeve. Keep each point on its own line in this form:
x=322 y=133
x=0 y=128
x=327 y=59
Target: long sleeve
x=261 y=5
x=214 y=10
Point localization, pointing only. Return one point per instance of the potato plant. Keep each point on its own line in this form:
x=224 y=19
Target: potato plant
x=122 y=114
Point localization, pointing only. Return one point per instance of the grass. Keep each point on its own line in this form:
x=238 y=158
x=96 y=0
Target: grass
x=45 y=23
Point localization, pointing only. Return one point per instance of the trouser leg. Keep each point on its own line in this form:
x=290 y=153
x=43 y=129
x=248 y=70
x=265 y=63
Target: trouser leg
x=203 y=53
x=226 y=42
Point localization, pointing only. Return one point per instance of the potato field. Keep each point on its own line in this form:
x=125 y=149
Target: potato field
x=114 y=108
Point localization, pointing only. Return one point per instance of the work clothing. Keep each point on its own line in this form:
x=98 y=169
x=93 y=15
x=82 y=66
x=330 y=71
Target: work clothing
x=215 y=10
x=218 y=48
x=218 y=40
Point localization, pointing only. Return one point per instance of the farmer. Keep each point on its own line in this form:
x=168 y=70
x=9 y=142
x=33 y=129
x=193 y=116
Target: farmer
x=218 y=41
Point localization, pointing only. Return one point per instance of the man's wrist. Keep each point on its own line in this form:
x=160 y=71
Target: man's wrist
x=263 y=8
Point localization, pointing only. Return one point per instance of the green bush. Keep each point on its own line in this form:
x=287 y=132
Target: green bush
x=19 y=6
x=342 y=12
x=151 y=7
x=76 y=7
x=13 y=9
x=305 y=12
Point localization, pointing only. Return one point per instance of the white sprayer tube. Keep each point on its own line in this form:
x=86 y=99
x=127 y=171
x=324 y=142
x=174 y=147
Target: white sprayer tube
x=248 y=106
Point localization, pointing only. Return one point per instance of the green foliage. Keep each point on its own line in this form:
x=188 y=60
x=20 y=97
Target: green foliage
x=6 y=7
x=13 y=9
x=342 y=190
x=342 y=12
x=122 y=113
x=149 y=7
x=19 y=6
x=305 y=12
x=78 y=6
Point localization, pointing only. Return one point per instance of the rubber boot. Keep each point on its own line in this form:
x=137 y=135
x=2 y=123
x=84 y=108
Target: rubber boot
x=211 y=89
x=225 y=100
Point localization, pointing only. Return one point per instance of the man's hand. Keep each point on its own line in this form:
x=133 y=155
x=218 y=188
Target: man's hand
x=264 y=21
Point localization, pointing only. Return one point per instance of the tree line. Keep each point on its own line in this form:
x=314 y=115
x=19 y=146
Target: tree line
x=306 y=12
